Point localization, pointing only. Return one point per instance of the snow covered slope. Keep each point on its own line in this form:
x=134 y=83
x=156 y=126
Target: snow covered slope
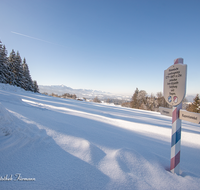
x=53 y=143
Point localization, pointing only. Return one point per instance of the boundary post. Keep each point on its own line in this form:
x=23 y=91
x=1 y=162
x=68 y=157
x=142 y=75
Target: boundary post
x=176 y=134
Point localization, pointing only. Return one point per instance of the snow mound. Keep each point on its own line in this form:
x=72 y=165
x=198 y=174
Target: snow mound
x=127 y=168
x=77 y=147
x=11 y=88
x=5 y=121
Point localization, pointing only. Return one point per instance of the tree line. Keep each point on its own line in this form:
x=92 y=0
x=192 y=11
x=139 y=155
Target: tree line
x=140 y=100
x=65 y=95
x=15 y=72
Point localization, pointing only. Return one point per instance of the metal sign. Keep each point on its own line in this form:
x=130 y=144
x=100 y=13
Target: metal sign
x=165 y=111
x=175 y=84
x=189 y=116
x=183 y=115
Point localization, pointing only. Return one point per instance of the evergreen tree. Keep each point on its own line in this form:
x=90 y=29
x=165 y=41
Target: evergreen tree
x=12 y=64
x=19 y=71
x=28 y=83
x=2 y=65
x=195 y=106
x=35 y=86
x=4 y=70
x=134 y=102
x=12 y=70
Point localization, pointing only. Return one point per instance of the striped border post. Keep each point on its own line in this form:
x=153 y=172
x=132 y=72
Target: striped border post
x=176 y=134
x=175 y=140
x=178 y=61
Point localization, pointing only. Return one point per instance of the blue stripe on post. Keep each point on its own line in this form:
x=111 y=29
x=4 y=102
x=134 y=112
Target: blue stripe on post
x=176 y=137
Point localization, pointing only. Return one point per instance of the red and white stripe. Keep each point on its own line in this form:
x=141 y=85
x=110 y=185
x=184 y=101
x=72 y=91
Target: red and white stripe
x=175 y=140
x=176 y=134
x=178 y=61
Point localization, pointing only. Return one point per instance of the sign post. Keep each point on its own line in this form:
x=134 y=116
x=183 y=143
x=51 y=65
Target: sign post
x=175 y=140
x=174 y=93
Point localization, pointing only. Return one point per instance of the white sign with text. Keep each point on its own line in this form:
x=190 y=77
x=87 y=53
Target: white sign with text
x=189 y=116
x=165 y=111
x=175 y=84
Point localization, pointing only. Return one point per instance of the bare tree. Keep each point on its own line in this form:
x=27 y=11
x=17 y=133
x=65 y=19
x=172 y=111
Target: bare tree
x=96 y=100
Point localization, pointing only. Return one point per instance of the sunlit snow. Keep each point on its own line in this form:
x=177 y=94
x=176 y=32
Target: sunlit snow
x=70 y=144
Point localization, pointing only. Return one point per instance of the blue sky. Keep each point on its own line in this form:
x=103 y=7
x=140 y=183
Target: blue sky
x=108 y=45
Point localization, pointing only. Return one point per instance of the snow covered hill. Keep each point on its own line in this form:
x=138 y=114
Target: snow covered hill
x=54 y=143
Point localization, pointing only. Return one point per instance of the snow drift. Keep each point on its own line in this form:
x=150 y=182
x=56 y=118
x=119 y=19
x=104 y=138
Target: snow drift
x=68 y=144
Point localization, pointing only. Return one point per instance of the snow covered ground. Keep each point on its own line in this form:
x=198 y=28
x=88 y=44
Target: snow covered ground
x=53 y=143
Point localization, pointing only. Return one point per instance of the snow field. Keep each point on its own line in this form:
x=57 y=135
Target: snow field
x=68 y=144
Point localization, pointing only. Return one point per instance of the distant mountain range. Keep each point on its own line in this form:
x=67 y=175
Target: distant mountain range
x=80 y=93
x=88 y=93
x=190 y=98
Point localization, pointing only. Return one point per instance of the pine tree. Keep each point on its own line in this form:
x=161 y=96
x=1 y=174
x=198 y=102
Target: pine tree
x=195 y=106
x=2 y=77
x=4 y=70
x=28 y=83
x=19 y=71
x=13 y=72
x=134 y=102
x=35 y=86
x=12 y=65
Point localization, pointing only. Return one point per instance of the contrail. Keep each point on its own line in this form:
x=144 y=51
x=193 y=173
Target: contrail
x=32 y=37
